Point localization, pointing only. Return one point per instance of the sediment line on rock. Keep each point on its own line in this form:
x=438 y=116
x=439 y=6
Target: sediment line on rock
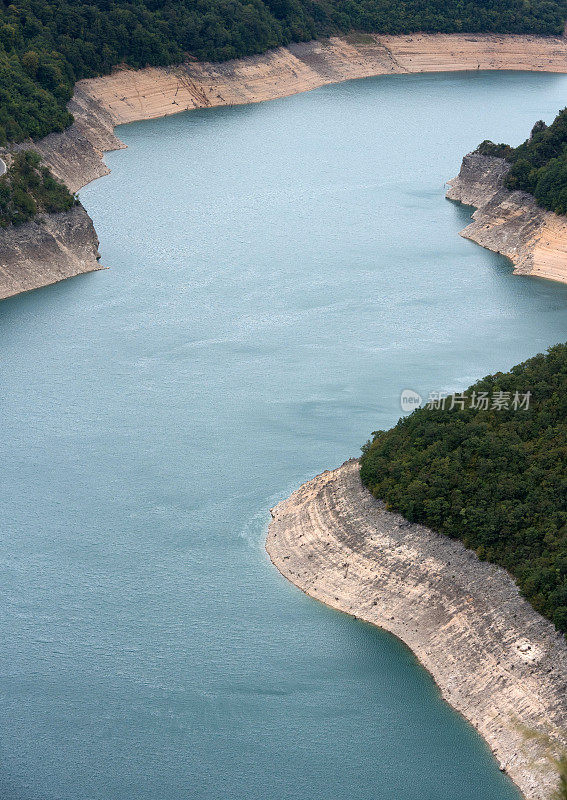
x=495 y=660
x=510 y=222
x=75 y=156
x=47 y=251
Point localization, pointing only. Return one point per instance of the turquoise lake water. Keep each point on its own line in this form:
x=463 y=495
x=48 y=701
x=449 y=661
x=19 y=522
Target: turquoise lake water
x=278 y=274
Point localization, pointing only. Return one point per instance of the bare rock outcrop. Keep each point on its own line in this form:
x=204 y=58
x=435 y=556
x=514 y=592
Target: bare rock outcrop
x=131 y=95
x=493 y=657
x=510 y=222
x=47 y=250
x=75 y=156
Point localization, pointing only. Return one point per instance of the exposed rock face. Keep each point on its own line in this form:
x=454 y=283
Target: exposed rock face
x=480 y=178
x=155 y=92
x=98 y=104
x=45 y=251
x=58 y=246
x=494 y=658
x=509 y=222
x=75 y=156
x=128 y=95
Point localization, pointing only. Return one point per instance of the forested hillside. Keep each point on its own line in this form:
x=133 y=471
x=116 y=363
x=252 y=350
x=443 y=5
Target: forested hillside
x=489 y=468
x=28 y=188
x=539 y=165
x=46 y=45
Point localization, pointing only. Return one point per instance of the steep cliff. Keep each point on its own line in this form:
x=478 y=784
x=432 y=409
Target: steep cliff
x=76 y=155
x=510 y=222
x=494 y=658
x=58 y=246
x=55 y=247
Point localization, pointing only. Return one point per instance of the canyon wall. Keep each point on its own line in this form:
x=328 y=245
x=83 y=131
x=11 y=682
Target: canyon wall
x=47 y=250
x=510 y=222
x=494 y=658
x=76 y=155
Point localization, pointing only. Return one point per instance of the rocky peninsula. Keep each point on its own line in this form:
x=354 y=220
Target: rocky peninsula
x=76 y=155
x=494 y=658
x=47 y=250
x=510 y=222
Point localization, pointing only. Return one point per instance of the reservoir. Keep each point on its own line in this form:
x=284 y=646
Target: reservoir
x=278 y=274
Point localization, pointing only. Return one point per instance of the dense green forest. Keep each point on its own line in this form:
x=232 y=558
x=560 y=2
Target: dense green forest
x=491 y=473
x=46 y=45
x=539 y=165
x=28 y=189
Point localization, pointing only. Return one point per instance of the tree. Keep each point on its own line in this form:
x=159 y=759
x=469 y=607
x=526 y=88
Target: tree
x=493 y=477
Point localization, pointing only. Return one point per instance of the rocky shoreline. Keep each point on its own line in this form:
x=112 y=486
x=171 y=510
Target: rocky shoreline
x=99 y=104
x=46 y=251
x=54 y=247
x=495 y=660
x=510 y=222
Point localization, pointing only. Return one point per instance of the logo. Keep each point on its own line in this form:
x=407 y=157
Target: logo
x=410 y=400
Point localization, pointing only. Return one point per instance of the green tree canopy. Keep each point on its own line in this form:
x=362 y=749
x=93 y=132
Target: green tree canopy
x=28 y=188
x=46 y=45
x=494 y=478
x=539 y=165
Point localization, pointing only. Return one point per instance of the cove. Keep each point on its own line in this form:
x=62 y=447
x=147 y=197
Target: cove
x=279 y=273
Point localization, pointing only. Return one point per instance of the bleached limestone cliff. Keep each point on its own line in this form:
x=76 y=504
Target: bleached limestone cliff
x=494 y=658
x=510 y=222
